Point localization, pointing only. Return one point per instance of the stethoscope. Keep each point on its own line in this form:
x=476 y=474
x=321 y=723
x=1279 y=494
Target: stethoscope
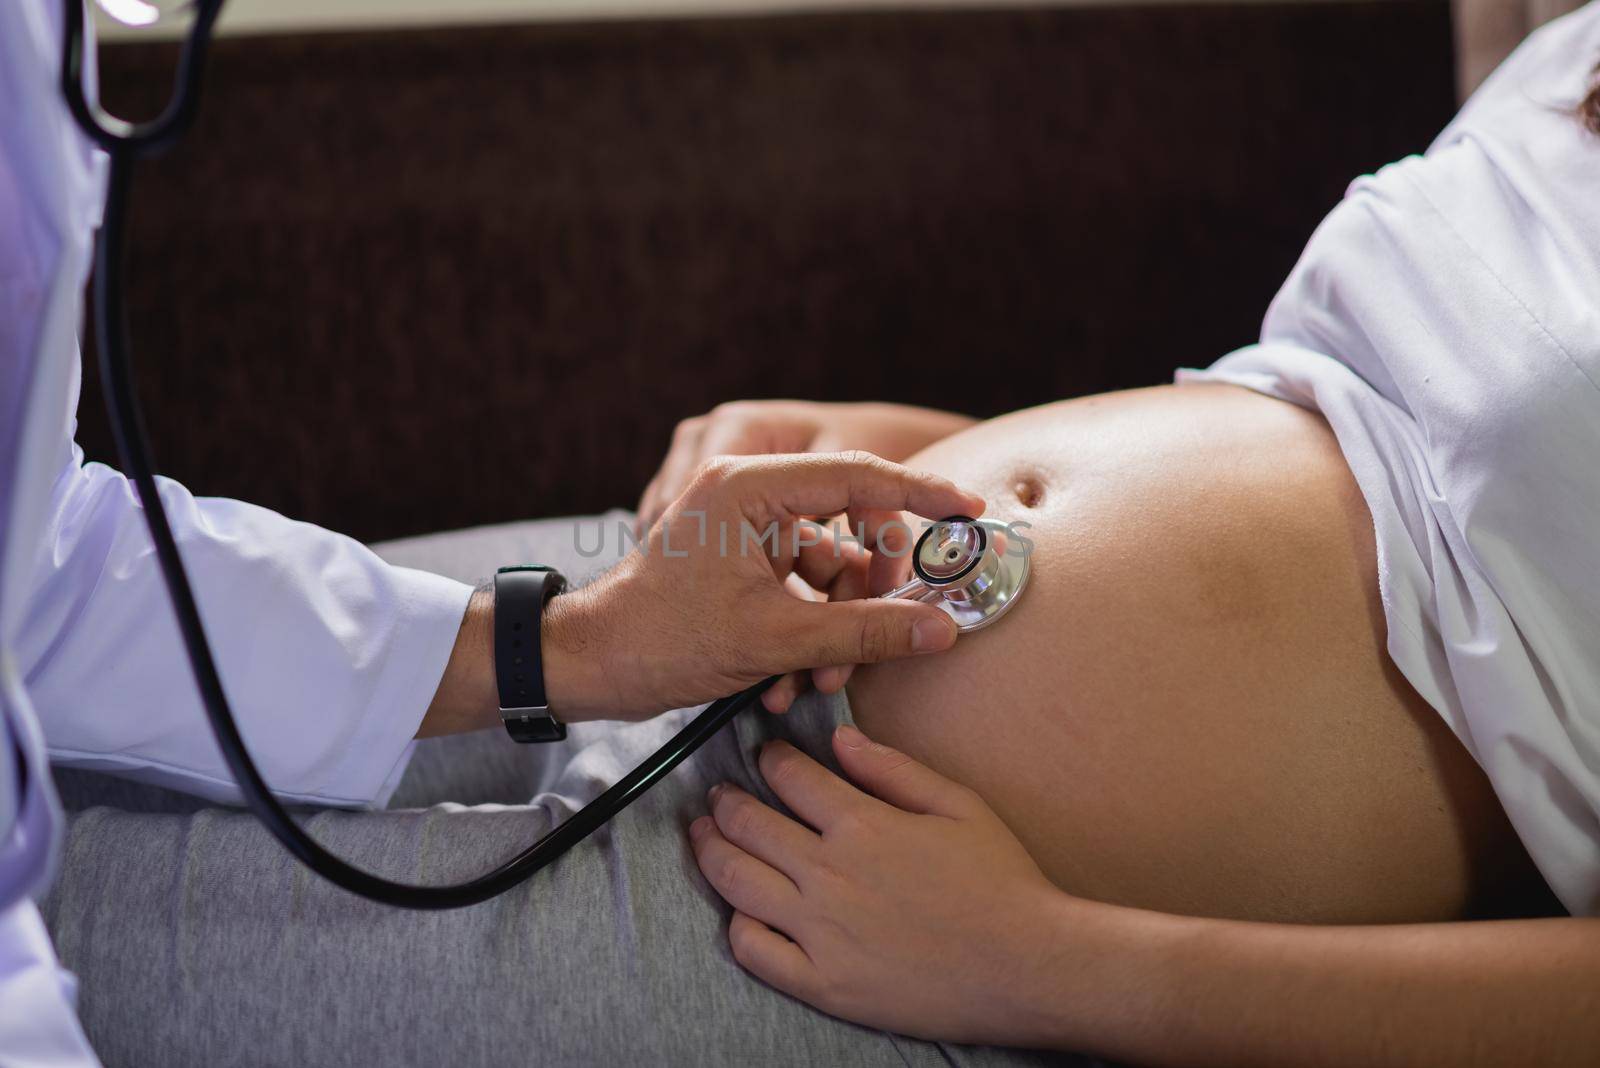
x=961 y=564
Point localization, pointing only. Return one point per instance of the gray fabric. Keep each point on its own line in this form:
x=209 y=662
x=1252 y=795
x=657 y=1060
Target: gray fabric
x=198 y=941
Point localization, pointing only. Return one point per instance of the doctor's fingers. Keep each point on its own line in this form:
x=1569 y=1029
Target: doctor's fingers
x=839 y=568
x=891 y=558
x=864 y=631
x=780 y=488
x=829 y=562
x=890 y=534
x=781 y=695
x=778 y=697
x=737 y=429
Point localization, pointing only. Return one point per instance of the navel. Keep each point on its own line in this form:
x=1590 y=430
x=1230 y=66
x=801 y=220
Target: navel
x=1029 y=490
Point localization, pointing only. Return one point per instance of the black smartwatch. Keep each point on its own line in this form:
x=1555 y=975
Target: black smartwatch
x=519 y=596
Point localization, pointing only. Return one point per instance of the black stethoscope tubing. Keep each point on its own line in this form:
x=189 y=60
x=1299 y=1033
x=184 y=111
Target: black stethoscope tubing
x=125 y=142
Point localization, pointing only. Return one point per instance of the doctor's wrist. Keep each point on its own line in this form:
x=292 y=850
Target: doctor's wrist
x=466 y=698
x=577 y=683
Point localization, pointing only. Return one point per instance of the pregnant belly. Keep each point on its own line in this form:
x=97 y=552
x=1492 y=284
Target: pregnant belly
x=1191 y=708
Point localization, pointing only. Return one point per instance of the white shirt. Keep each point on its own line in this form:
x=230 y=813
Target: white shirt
x=1445 y=319
x=329 y=655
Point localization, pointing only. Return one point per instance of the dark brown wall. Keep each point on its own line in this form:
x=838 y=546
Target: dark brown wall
x=400 y=282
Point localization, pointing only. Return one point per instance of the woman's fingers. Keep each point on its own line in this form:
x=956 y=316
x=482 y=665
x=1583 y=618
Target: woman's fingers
x=683 y=455
x=894 y=777
x=771 y=957
x=763 y=832
x=811 y=791
x=641 y=514
x=744 y=882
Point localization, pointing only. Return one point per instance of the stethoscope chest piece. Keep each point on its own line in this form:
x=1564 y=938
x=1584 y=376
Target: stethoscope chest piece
x=967 y=568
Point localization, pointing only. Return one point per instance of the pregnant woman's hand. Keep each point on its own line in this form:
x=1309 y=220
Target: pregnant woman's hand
x=762 y=427
x=910 y=907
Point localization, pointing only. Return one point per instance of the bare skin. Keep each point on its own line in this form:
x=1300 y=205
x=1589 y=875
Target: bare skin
x=1191 y=712
x=1204 y=678
x=895 y=897
x=668 y=628
x=1192 y=709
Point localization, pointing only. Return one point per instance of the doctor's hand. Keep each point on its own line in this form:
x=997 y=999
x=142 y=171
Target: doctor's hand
x=701 y=610
x=762 y=427
x=904 y=904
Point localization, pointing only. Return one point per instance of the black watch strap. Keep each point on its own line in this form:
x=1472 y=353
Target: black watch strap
x=519 y=596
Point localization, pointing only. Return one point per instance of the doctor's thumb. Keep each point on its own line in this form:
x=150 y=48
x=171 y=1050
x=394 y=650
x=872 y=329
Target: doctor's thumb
x=869 y=630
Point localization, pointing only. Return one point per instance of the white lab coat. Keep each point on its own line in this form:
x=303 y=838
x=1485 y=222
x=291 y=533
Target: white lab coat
x=329 y=655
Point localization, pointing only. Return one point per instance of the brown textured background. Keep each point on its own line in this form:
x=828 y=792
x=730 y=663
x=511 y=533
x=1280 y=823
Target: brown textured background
x=397 y=282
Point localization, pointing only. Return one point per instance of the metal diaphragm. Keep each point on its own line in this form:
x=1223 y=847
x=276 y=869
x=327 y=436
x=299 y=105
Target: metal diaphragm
x=969 y=569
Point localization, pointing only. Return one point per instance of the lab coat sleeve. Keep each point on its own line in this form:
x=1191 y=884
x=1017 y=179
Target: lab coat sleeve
x=329 y=655
x=38 y=1023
